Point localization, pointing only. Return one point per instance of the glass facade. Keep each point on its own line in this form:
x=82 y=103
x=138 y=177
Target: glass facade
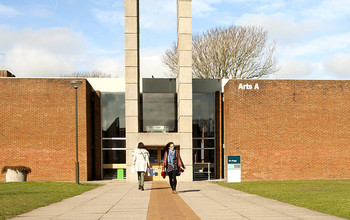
x=113 y=114
x=203 y=126
x=159 y=106
x=159 y=112
x=113 y=135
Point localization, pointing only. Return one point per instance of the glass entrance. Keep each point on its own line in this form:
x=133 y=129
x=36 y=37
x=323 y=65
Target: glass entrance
x=156 y=160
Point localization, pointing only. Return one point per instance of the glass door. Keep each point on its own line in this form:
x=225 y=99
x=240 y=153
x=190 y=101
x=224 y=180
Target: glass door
x=155 y=160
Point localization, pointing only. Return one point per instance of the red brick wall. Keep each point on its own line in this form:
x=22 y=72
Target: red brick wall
x=37 y=127
x=289 y=129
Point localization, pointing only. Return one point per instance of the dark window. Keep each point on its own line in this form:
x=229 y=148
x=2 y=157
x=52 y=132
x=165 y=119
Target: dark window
x=114 y=173
x=114 y=156
x=153 y=155
x=113 y=144
x=203 y=156
x=113 y=114
x=207 y=143
x=203 y=117
x=113 y=134
x=159 y=112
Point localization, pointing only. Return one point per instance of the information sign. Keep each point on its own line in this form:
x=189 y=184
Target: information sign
x=233 y=169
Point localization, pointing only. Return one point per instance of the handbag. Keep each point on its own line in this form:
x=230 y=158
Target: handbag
x=163 y=174
x=179 y=171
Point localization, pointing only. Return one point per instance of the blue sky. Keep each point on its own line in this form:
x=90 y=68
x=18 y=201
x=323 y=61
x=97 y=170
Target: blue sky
x=54 y=37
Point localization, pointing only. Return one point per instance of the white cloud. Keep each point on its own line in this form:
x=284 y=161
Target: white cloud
x=294 y=69
x=318 y=47
x=280 y=27
x=7 y=11
x=109 y=17
x=338 y=64
x=46 y=52
x=113 y=66
x=329 y=10
x=203 y=8
x=30 y=62
x=57 y=40
x=158 y=15
x=151 y=64
x=54 y=52
x=271 y=6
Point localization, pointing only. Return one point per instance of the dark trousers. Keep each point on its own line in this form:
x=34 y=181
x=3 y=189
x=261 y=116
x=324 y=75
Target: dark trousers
x=172 y=179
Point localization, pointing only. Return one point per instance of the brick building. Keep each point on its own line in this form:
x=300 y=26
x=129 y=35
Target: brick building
x=289 y=129
x=282 y=129
x=37 y=127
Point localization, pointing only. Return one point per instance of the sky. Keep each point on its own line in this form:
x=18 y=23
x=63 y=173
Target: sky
x=51 y=38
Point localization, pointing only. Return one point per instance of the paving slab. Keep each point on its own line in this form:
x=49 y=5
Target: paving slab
x=105 y=202
x=206 y=198
x=208 y=201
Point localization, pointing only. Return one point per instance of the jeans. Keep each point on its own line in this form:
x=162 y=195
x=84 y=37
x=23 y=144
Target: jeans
x=141 y=178
x=172 y=179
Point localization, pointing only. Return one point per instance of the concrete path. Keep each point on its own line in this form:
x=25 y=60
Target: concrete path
x=120 y=200
x=211 y=201
x=163 y=204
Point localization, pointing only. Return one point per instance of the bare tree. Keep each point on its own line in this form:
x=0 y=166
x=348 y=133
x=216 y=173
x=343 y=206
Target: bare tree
x=90 y=74
x=233 y=52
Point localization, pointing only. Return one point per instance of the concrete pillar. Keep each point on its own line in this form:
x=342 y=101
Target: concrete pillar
x=132 y=78
x=184 y=84
x=184 y=87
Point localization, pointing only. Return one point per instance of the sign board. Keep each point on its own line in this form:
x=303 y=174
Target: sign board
x=233 y=169
x=233 y=159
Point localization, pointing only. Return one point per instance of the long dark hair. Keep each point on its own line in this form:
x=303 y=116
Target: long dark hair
x=141 y=145
x=167 y=146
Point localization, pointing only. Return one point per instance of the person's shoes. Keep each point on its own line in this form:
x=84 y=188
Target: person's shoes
x=175 y=192
x=142 y=188
x=139 y=186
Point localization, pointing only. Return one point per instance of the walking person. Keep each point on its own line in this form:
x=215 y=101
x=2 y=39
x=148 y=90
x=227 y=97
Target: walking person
x=172 y=163
x=140 y=159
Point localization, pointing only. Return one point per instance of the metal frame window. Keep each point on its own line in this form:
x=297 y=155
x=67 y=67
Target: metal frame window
x=113 y=155
x=204 y=149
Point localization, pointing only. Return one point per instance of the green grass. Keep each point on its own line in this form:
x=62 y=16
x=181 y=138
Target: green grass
x=327 y=196
x=17 y=198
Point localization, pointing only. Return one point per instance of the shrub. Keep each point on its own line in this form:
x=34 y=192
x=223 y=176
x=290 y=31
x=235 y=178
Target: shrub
x=23 y=169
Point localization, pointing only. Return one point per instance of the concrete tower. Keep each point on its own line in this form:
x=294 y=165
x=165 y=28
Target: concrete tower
x=183 y=138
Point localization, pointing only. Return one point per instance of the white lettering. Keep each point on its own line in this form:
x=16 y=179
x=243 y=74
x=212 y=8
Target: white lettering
x=248 y=86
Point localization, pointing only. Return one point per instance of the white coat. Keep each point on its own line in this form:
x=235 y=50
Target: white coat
x=140 y=159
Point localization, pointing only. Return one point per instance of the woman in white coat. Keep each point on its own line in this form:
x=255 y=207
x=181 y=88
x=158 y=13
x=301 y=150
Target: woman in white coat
x=141 y=162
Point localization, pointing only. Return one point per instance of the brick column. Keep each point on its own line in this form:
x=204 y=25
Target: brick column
x=132 y=76
x=184 y=84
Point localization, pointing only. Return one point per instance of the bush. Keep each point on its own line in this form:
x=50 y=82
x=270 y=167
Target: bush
x=23 y=169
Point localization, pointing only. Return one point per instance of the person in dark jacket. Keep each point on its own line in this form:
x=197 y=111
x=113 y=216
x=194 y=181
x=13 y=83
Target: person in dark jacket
x=172 y=163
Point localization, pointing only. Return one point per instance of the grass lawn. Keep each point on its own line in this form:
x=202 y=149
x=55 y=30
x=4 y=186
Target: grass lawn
x=327 y=196
x=17 y=198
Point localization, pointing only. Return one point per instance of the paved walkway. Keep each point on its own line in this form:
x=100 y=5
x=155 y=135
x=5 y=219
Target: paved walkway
x=120 y=200
x=165 y=205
